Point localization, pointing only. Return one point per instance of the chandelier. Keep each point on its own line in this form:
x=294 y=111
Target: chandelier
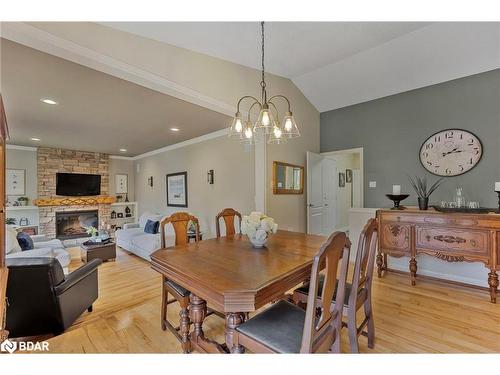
x=268 y=119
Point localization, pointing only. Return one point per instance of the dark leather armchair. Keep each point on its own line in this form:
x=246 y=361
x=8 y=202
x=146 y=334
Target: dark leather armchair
x=42 y=300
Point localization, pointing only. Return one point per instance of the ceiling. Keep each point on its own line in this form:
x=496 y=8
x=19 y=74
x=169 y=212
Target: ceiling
x=113 y=113
x=337 y=64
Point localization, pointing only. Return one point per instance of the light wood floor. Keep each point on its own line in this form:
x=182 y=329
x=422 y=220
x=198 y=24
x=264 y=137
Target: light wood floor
x=432 y=317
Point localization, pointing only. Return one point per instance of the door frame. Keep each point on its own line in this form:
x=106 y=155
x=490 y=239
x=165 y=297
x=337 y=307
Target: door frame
x=356 y=150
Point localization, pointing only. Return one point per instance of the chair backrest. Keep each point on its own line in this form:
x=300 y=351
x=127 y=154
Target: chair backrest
x=229 y=215
x=180 y=222
x=318 y=334
x=365 y=257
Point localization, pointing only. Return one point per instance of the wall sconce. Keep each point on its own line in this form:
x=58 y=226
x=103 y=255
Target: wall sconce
x=210 y=176
x=150 y=181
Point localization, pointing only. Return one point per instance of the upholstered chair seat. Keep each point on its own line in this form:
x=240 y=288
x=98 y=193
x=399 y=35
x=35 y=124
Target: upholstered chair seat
x=279 y=327
x=304 y=289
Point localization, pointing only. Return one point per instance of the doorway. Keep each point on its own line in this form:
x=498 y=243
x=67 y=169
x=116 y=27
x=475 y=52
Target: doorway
x=334 y=186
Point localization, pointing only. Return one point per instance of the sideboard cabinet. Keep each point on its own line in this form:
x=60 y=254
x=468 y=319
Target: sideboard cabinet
x=450 y=237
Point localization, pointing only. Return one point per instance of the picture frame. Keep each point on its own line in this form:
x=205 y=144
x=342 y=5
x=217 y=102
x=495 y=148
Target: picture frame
x=15 y=182
x=177 y=194
x=121 y=183
x=119 y=215
x=348 y=176
x=341 y=179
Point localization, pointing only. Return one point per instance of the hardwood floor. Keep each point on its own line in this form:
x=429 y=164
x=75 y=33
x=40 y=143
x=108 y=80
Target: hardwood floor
x=432 y=317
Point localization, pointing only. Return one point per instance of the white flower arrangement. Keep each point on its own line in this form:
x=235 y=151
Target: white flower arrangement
x=258 y=227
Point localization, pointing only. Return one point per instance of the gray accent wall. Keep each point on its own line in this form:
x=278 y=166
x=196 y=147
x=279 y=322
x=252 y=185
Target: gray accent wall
x=392 y=129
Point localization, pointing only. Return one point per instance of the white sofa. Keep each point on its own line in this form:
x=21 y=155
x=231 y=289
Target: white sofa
x=42 y=248
x=133 y=238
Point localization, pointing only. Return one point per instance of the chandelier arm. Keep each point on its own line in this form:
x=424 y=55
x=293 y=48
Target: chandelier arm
x=247 y=97
x=250 y=110
x=282 y=97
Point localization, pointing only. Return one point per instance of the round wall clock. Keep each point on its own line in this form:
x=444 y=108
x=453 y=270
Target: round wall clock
x=451 y=152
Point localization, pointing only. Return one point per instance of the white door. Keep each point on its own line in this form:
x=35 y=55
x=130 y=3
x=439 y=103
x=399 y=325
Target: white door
x=314 y=193
x=329 y=182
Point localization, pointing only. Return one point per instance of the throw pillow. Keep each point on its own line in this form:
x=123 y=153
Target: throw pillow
x=151 y=227
x=25 y=241
x=11 y=244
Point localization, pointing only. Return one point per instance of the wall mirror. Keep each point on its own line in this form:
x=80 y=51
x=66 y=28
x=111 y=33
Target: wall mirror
x=287 y=178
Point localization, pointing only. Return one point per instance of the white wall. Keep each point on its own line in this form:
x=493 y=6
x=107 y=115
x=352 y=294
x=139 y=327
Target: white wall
x=24 y=159
x=234 y=185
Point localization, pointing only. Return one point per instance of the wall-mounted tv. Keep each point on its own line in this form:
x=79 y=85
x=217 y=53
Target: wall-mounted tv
x=78 y=184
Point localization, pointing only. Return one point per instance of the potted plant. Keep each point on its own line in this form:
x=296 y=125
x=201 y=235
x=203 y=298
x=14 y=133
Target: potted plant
x=92 y=231
x=23 y=201
x=420 y=187
x=258 y=227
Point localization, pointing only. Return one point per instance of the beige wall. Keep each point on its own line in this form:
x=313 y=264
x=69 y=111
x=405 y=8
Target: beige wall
x=234 y=180
x=212 y=78
x=24 y=159
x=122 y=166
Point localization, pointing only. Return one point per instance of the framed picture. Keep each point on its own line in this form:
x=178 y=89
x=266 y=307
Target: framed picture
x=341 y=179
x=15 y=182
x=121 y=183
x=119 y=215
x=348 y=176
x=177 y=190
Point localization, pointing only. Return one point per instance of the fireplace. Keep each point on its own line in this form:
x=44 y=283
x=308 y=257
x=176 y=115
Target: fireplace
x=74 y=224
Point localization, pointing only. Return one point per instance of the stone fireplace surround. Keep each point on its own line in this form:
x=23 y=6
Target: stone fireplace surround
x=53 y=160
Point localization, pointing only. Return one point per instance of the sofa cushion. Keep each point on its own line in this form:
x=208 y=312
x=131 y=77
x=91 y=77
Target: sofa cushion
x=151 y=227
x=146 y=242
x=11 y=244
x=127 y=234
x=143 y=219
x=25 y=241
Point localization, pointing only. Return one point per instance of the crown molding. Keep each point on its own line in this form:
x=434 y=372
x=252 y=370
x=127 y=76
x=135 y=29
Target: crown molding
x=41 y=40
x=189 y=142
x=23 y=148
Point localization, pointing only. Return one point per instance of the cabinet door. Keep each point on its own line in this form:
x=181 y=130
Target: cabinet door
x=395 y=237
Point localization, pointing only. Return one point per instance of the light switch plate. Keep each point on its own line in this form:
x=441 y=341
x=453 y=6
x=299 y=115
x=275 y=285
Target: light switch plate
x=373 y=184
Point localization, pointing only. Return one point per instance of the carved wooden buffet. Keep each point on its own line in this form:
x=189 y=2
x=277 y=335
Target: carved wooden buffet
x=451 y=237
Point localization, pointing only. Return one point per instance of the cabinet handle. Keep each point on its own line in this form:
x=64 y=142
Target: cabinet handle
x=450 y=239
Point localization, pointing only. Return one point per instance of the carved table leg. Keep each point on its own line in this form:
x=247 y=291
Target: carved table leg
x=233 y=320
x=413 y=270
x=379 y=265
x=197 y=313
x=493 y=283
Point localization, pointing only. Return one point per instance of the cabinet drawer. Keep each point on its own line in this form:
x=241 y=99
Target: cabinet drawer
x=450 y=240
x=395 y=236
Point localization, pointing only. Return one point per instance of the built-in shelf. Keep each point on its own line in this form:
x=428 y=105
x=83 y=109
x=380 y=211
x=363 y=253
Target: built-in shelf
x=21 y=208
x=123 y=203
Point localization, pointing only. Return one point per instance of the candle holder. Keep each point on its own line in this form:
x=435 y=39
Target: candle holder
x=498 y=192
x=398 y=198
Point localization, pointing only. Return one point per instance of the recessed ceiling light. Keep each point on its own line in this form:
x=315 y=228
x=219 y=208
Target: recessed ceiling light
x=174 y=129
x=35 y=139
x=48 y=101
x=123 y=150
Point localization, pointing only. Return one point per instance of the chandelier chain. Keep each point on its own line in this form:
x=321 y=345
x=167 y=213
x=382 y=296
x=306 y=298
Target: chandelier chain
x=263 y=82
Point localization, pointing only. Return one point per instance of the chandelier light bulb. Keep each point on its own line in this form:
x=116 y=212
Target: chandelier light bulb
x=238 y=126
x=265 y=118
x=248 y=133
x=288 y=125
x=277 y=132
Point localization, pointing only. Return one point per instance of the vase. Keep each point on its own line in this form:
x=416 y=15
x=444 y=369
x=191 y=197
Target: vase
x=423 y=203
x=257 y=242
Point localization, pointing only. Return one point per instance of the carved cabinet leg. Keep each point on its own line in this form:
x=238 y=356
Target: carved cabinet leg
x=233 y=320
x=197 y=313
x=493 y=283
x=413 y=270
x=380 y=263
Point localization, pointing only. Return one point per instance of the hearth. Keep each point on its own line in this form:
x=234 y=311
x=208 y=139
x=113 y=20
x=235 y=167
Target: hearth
x=74 y=224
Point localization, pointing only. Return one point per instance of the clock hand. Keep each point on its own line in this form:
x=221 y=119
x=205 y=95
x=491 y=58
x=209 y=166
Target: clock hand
x=454 y=151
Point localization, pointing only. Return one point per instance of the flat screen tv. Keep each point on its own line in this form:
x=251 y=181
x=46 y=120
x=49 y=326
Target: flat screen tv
x=78 y=184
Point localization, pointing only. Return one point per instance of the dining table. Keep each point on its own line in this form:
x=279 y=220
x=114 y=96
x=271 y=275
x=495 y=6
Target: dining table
x=234 y=278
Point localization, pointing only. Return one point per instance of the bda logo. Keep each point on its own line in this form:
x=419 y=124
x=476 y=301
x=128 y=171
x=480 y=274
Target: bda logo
x=8 y=346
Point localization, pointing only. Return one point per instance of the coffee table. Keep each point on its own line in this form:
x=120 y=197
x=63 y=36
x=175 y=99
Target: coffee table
x=103 y=251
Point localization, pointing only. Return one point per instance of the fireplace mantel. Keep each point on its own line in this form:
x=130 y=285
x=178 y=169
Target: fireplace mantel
x=76 y=201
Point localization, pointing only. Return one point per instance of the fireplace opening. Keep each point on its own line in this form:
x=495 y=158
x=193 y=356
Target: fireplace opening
x=74 y=224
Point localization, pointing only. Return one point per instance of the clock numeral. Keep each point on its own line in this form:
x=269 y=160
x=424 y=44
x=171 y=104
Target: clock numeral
x=461 y=167
x=429 y=146
x=437 y=138
x=447 y=171
x=448 y=135
x=429 y=163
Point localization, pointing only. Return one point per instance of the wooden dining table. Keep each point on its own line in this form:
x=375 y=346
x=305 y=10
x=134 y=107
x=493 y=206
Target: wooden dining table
x=234 y=278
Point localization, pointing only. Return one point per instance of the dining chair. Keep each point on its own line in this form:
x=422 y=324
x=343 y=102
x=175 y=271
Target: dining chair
x=358 y=293
x=180 y=222
x=229 y=215
x=286 y=328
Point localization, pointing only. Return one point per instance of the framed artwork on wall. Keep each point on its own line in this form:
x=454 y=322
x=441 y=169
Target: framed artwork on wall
x=177 y=189
x=121 y=183
x=348 y=176
x=341 y=179
x=15 y=182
